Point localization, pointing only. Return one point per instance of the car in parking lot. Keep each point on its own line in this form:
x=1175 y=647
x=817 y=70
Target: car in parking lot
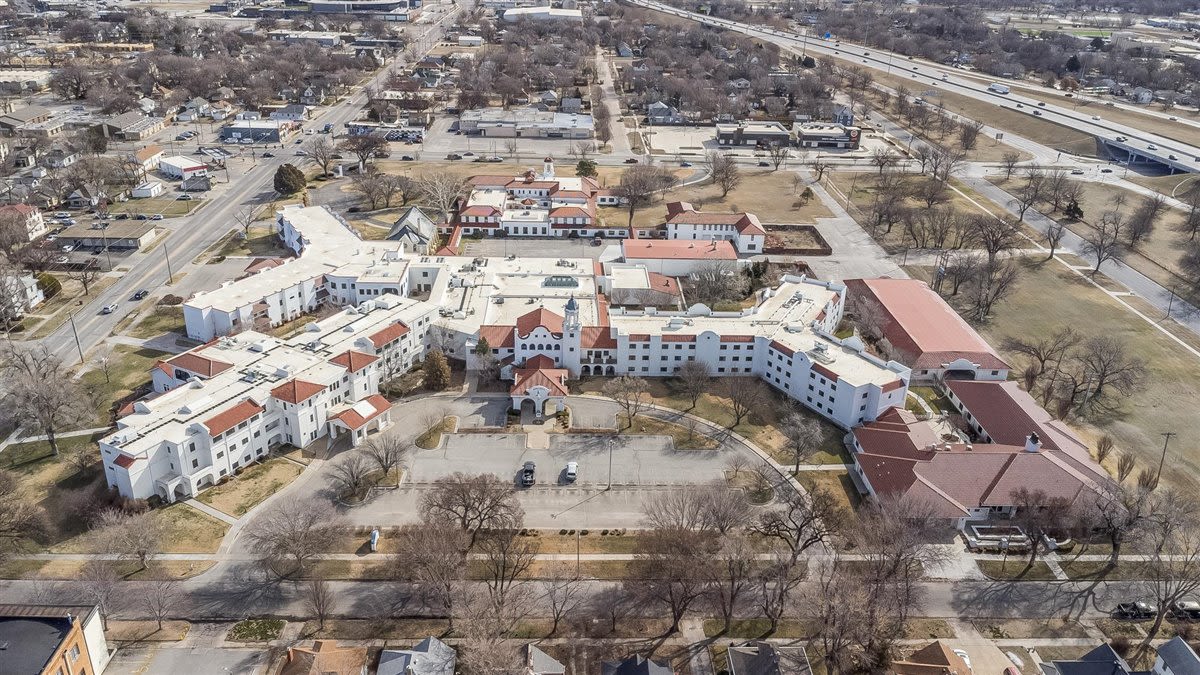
x=157 y=216
x=1152 y=147
x=1076 y=172
x=141 y=294
x=406 y=158
x=62 y=214
x=184 y=198
x=1135 y=611
x=268 y=155
x=67 y=248
x=62 y=259
x=764 y=163
x=108 y=309
x=572 y=472
x=1105 y=170
x=527 y=474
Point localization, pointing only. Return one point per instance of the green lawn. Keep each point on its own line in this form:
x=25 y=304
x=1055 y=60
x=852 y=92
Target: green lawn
x=261 y=241
x=256 y=630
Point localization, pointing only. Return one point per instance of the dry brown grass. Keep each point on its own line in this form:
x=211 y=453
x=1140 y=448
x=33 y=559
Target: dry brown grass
x=244 y=491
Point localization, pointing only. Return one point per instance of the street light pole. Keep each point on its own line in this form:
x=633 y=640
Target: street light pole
x=76 y=334
x=1167 y=436
x=170 y=274
x=611 y=443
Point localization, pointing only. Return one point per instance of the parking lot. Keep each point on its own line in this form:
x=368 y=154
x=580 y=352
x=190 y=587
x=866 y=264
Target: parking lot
x=440 y=140
x=643 y=461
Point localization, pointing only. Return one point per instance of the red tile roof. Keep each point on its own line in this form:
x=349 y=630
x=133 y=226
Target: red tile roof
x=231 y=417
x=550 y=378
x=782 y=348
x=497 y=336
x=352 y=419
x=1006 y=413
x=822 y=370
x=737 y=338
x=296 y=391
x=663 y=283
x=539 y=317
x=353 y=361
x=597 y=337
x=200 y=365
x=481 y=211
x=392 y=332
x=539 y=361
x=677 y=249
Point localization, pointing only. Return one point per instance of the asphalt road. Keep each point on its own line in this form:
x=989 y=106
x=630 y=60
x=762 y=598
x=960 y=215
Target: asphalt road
x=192 y=235
x=926 y=73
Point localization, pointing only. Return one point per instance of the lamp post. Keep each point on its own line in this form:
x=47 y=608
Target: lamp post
x=611 y=444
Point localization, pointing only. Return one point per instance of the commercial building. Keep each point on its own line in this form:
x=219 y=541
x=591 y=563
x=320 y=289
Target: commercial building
x=181 y=168
x=117 y=234
x=828 y=136
x=753 y=133
x=925 y=333
x=742 y=229
x=536 y=204
x=132 y=126
x=52 y=640
x=251 y=131
x=525 y=123
x=14 y=81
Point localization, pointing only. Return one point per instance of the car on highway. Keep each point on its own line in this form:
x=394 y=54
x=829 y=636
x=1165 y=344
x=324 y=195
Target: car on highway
x=1037 y=112
x=299 y=141
x=108 y=309
x=1186 y=610
x=454 y=157
x=62 y=214
x=1172 y=157
x=1173 y=118
x=631 y=160
x=1076 y=172
x=406 y=158
x=184 y=198
x=468 y=154
x=1105 y=170
x=141 y=294
x=1020 y=105
x=527 y=474
x=1135 y=611
x=1041 y=104
x=1095 y=117
x=1152 y=147
x=268 y=155
x=157 y=216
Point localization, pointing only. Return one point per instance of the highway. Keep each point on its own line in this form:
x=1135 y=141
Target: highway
x=925 y=74
x=190 y=236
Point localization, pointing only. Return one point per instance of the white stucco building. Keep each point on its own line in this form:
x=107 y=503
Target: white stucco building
x=743 y=230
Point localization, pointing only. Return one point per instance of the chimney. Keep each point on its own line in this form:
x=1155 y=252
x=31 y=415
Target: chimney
x=1033 y=443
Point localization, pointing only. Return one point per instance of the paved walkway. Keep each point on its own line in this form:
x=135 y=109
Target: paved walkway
x=205 y=508
x=15 y=437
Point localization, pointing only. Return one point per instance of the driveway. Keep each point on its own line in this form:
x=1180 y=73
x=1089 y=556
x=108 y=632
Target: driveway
x=170 y=660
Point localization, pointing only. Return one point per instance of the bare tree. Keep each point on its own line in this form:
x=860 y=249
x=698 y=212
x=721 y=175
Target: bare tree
x=968 y=134
x=349 y=476
x=24 y=374
x=562 y=596
x=802 y=433
x=884 y=158
x=511 y=146
x=819 y=166
x=993 y=283
x=131 y=535
x=319 y=599
x=20 y=513
x=506 y=556
x=442 y=189
x=717 y=281
x=86 y=275
x=1008 y=161
x=364 y=147
x=1046 y=352
x=1103 y=241
x=669 y=570
x=806 y=519
x=1053 y=236
x=99 y=579
x=639 y=183
x=1145 y=218
x=320 y=150
x=630 y=393
x=1173 y=573
x=695 y=378
x=723 y=171
x=160 y=599
x=994 y=235
x=1125 y=465
x=435 y=558
x=728 y=580
x=775 y=584
x=387 y=451
x=1118 y=513
x=745 y=395
x=779 y=153
x=1038 y=514
x=1030 y=192
x=472 y=503
x=291 y=533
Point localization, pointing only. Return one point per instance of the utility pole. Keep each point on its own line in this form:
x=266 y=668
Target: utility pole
x=611 y=443
x=170 y=274
x=76 y=334
x=1167 y=436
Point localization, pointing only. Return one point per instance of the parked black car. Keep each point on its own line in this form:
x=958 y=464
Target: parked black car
x=1135 y=611
x=527 y=472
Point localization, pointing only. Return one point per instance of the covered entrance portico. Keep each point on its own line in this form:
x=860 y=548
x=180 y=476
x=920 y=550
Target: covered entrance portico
x=373 y=413
x=541 y=391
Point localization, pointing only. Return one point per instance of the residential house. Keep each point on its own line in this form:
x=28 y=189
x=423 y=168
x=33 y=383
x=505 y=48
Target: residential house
x=194 y=110
x=61 y=156
x=25 y=293
x=325 y=657
x=933 y=659
x=147 y=105
x=660 y=113
x=52 y=639
x=1176 y=657
x=295 y=112
x=538 y=662
x=430 y=657
x=146 y=159
x=28 y=216
x=925 y=333
x=313 y=95
x=624 y=50
x=757 y=657
x=743 y=229
x=415 y=228
x=1141 y=95
x=1173 y=657
x=571 y=105
x=220 y=110
x=86 y=197
x=636 y=665
x=548 y=97
x=739 y=84
x=843 y=115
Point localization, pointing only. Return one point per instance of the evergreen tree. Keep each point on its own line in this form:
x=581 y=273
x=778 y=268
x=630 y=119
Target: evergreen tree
x=586 y=168
x=436 y=370
x=1073 y=64
x=289 y=180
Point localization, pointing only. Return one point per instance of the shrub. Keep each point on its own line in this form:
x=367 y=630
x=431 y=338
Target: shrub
x=563 y=531
x=49 y=284
x=1120 y=645
x=170 y=300
x=583 y=533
